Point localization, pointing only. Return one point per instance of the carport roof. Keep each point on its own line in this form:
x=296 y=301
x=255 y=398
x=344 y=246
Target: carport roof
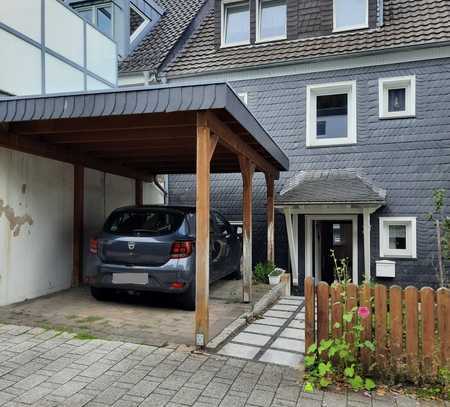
x=146 y=130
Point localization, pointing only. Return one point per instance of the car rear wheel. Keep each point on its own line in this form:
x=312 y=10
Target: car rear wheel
x=187 y=299
x=101 y=294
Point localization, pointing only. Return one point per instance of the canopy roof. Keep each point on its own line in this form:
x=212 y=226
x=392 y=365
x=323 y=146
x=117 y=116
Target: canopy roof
x=330 y=187
x=144 y=130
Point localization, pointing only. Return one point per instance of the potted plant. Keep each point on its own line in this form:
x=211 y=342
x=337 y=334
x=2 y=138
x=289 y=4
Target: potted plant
x=275 y=276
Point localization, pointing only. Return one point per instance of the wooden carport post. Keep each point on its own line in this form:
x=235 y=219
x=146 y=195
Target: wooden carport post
x=247 y=170
x=270 y=184
x=206 y=144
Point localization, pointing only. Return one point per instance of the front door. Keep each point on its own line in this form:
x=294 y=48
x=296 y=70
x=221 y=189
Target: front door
x=332 y=236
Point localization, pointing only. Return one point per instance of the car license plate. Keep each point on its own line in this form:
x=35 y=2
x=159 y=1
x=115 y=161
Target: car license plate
x=130 y=278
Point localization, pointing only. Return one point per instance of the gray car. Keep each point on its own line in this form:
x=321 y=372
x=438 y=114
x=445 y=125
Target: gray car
x=152 y=249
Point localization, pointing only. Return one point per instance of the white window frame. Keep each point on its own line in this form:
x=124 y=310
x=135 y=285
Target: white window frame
x=93 y=9
x=312 y=91
x=141 y=26
x=258 y=26
x=244 y=97
x=385 y=84
x=351 y=27
x=411 y=237
x=223 y=25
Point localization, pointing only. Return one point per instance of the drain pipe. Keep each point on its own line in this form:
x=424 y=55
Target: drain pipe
x=380 y=13
x=161 y=188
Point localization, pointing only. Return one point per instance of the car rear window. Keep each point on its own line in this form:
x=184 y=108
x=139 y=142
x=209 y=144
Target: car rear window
x=152 y=222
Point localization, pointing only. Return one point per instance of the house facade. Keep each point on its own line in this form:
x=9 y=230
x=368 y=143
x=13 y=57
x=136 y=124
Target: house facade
x=356 y=93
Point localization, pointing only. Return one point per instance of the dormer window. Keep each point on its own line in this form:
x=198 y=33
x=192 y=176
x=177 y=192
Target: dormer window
x=100 y=15
x=138 y=22
x=235 y=22
x=350 y=14
x=271 y=20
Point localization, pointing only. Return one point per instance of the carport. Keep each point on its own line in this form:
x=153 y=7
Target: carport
x=141 y=132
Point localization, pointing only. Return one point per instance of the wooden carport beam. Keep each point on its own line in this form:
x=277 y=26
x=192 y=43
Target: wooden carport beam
x=247 y=170
x=270 y=184
x=206 y=144
x=235 y=144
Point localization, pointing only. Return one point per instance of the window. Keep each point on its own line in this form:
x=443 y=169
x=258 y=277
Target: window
x=331 y=114
x=99 y=15
x=235 y=23
x=350 y=14
x=138 y=22
x=271 y=20
x=397 y=97
x=398 y=237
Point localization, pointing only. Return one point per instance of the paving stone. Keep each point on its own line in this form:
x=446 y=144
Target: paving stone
x=33 y=395
x=207 y=401
x=293 y=333
x=240 y=351
x=232 y=401
x=251 y=339
x=262 y=329
x=216 y=390
x=281 y=357
x=110 y=395
x=187 y=396
x=284 y=307
x=78 y=400
x=297 y=324
x=156 y=400
x=143 y=388
x=261 y=398
x=69 y=389
x=278 y=314
x=270 y=321
x=289 y=345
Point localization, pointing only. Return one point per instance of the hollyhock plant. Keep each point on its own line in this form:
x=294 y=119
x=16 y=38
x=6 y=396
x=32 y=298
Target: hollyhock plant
x=363 y=312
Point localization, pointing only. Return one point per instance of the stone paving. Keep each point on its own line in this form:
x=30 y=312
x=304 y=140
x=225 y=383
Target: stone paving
x=278 y=337
x=45 y=368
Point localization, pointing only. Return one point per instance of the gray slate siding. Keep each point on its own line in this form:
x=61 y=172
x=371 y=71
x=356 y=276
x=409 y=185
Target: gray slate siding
x=406 y=157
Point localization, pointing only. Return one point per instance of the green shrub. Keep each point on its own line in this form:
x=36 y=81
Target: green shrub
x=262 y=271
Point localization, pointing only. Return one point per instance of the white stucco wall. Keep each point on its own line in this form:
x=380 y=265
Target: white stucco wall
x=35 y=259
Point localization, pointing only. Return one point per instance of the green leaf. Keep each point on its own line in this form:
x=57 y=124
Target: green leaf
x=312 y=348
x=369 y=384
x=324 y=369
x=309 y=387
x=357 y=383
x=369 y=345
x=348 y=316
x=349 y=371
x=310 y=360
x=337 y=325
x=324 y=382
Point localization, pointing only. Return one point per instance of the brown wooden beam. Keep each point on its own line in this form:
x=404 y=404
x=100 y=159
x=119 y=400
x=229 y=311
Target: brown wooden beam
x=78 y=225
x=9 y=139
x=205 y=149
x=270 y=219
x=247 y=170
x=116 y=123
x=139 y=192
x=234 y=143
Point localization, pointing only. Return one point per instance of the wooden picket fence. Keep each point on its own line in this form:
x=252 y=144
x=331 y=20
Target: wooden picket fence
x=410 y=327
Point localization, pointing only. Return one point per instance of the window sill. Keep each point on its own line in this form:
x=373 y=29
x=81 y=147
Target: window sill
x=236 y=44
x=331 y=144
x=393 y=117
x=353 y=28
x=273 y=39
x=398 y=256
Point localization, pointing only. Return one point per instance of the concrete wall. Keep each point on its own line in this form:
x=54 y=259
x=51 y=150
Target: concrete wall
x=36 y=206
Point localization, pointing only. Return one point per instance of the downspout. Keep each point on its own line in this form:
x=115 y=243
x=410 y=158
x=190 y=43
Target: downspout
x=161 y=188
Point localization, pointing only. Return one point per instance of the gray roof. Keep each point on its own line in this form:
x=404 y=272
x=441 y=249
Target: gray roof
x=137 y=101
x=407 y=23
x=331 y=186
x=156 y=46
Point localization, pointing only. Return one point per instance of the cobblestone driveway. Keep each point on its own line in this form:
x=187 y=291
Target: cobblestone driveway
x=47 y=368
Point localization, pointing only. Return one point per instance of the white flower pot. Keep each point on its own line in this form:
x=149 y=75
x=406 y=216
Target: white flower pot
x=274 y=280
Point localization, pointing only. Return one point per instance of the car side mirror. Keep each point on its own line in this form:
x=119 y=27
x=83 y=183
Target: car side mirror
x=239 y=230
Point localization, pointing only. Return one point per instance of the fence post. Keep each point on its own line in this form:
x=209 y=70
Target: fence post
x=412 y=337
x=443 y=313
x=309 y=312
x=352 y=301
x=380 y=326
x=366 y=335
x=336 y=310
x=323 y=309
x=428 y=322
x=396 y=325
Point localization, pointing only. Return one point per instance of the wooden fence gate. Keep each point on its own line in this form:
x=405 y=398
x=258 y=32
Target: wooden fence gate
x=410 y=327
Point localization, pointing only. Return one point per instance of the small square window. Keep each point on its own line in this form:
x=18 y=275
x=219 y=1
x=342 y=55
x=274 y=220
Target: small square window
x=398 y=237
x=350 y=14
x=235 y=23
x=331 y=114
x=271 y=20
x=397 y=97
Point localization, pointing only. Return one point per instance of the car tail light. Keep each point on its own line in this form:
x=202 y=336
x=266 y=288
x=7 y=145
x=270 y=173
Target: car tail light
x=177 y=285
x=181 y=250
x=93 y=246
